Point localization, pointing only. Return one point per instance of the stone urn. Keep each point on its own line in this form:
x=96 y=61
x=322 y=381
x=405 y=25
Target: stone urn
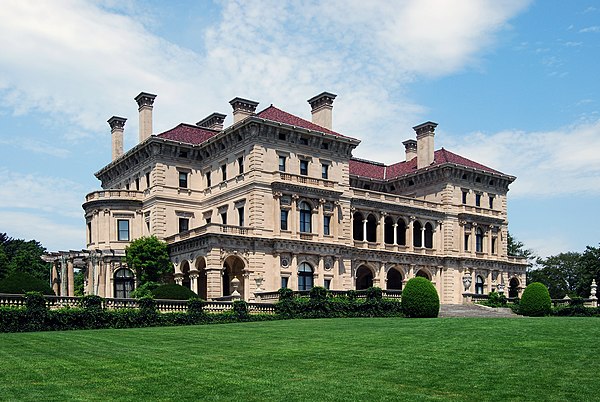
x=235 y=284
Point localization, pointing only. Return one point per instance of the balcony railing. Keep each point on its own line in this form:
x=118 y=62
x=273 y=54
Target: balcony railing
x=114 y=194
x=213 y=228
x=301 y=179
x=360 y=294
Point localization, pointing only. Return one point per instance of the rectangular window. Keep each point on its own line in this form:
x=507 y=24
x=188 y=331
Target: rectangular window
x=126 y=186
x=493 y=245
x=327 y=284
x=282 y=163
x=327 y=225
x=224 y=218
x=284 y=281
x=491 y=202
x=208 y=221
x=477 y=200
x=466 y=242
x=241 y=216
x=208 y=180
x=303 y=141
x=89 y=230
x=284 y=219
x=224 y=172
x=464 y=197
x=137 y=183
x=148 y=226
x=325 y=171
x=241 y=165
x=147 y=179
x=304 y=168
x=184 y=224
x=123 y=229
x=183 y=179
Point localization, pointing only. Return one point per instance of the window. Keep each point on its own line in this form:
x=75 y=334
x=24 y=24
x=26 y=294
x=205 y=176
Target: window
x=493 y=245
x=464 y=197
x=208 y=220
x=148 y=226
x=224 y=172
x=184 y=224
x=183 y=179
x=137 y=183
x=208 y=180
x=479 y=285
x=89 y=230
x=417 y=240
x=124 y=283
x=466 y=242
x=284 y=219
x=304 y=168
x=428 y=235
x=241 y=165
x=147 y=179
x=224 y=218
x=325 y=145
x=479 y=240
x=477 y=200
x=305 y=217
x=327 y=284
x=305 y=277
x=325 y=171
x=126 y=186
x=282 y=136
x=303 y=141
x=284 y=281
x=123 y=229
x=282 y=163
x=491 y=202
x=241 y=216
x=327 y=225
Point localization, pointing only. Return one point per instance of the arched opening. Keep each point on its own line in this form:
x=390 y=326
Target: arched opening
x=388 y=237
x=185 y=270
x=417 y=234
x=479 y=285
x=513 y=288
x=394 y=279
x=401 y=232
x=233 y=267
x=357 y=226
x=428 y=235
x=202 y=290
x=423 y=274
x=124 y=283
x=305 y=276
x=305 y=217
x=371 y=228
x=479 y=240
x=364 y=278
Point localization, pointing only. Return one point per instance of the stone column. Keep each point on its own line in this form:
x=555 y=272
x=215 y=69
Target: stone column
x=320 y=220
x=70 y=273
x=194 y=282
x=423 y=236
x=55 y=279
x=395 y=226
x=294 y=219
x=381 y=240
x=320 y=278
x=365 y=229
x=214 y=282
x=409 y=239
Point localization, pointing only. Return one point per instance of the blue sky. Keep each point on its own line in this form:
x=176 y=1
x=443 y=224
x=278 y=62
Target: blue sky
x=513 y=84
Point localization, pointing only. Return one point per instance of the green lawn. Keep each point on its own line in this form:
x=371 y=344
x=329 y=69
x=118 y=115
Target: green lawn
x=322 y=360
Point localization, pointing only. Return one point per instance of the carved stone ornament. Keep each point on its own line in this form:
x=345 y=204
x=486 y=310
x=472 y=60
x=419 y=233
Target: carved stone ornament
x=328 y=264
x=466 y=279
x=593 y=289
x=285 y=261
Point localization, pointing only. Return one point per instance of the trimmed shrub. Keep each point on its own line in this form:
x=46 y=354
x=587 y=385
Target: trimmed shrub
x=374 y=293
x=318 y=293
x=285 y=294
x=420 y=299
x=240 y=309
x=495 y=299
x=173 y=292
x=91 y=302
x=144 y=289
x=535 y=301
x=352 y=294
x=195 y=305
x=147 y=304
x=22 y=282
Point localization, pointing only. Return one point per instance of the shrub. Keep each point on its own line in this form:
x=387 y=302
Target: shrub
x=374 y=293
x=495 y=299
x=144 y=289
x=195 y=305
x=535 y=301
x=318 y=293
x=91 y=302
x=147 y=303
x=22 y=282
x=352 y=294
x=173 y=292
x=285 y=294
x=240 y=309
x=420 y=299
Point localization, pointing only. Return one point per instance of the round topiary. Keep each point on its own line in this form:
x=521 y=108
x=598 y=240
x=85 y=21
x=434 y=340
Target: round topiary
x=420 y=299
x=22 y=282
x=173 y=292
x=535 y=301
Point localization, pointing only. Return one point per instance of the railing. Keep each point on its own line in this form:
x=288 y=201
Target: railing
x=396 y=199
x=360 y=294
x=114 y=194
x=313 y=181
x=215 y=228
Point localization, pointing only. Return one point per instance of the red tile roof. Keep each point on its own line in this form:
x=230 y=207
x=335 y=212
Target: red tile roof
x=188 y=133
x=375 y=170
x=279 y=116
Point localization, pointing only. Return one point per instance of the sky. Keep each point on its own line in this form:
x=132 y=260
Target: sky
x=513 y=84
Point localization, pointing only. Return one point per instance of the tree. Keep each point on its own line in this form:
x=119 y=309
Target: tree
x=516 y=248
x=17 y=255
x=589 y=268
x=560 y=273
x=149 y=258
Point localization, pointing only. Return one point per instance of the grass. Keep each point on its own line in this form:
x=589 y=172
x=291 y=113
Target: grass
x=302 y=360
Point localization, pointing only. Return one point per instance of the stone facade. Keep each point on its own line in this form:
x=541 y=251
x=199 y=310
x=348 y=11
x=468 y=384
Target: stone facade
x=274 y=200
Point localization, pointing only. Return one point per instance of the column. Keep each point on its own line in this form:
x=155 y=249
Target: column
x=293 y=281
x=320 y=277
x=395 y=226
x=71 y=282
x=488 y=282
x=293 y=220
x=194 y=282
x=364 y=229
x=423 y=236
x=382 y=229
x=54 y=278
x=409 y=238
x=214 y=283
x=277 y=213
x=63 y=276
x=320 y=219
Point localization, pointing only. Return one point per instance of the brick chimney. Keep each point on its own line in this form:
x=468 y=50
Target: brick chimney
x=117 y=125
x=242 y=108
x=425 y=133
x=145 y=103
x=213 y=122
x=410 y=147
x=321 y=109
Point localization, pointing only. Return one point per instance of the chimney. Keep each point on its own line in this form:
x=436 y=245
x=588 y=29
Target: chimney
x=410 y=146
x=145 y=102
x=321 y=106
x=117 y=125
x=242 y=108
x=213 y=122
x=425 y=133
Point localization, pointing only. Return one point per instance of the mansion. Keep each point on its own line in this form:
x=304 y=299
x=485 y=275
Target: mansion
x=274 y=200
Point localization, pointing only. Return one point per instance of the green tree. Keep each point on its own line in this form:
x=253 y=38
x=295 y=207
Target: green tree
x=560 y=273
x=17 y=255
x=588 y=269
x=149 y=258
x=516 y=248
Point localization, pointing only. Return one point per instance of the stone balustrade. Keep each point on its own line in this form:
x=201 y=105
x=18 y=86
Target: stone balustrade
x=114 y=194
x=262 y=297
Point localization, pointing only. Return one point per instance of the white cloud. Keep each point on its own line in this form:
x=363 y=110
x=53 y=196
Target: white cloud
x=553 y=163
x=592 y=29
x=38 y=147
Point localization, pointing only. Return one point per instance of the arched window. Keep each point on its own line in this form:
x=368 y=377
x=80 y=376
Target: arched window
x=124 y=283
x=428 y=235
x=364 y=278
x=479 y=240
x=479 y=285
x=305 y=217
x=513 y=288
x=401 y=232
x=417 y=234
x=423 y=274
x=357 y=226
x=371 y=228
x=394 y=279
x=305 y=276
x=389 y=230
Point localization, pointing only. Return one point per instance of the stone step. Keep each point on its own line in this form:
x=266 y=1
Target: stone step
x=475 y=310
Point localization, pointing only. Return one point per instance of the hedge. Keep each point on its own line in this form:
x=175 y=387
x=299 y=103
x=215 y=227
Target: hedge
x=22 y=282
x=173 y=292
x=535 y=301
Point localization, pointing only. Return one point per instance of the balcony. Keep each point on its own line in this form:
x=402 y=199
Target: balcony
x=306 y=180
x=212 y=228
x=102 y=195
